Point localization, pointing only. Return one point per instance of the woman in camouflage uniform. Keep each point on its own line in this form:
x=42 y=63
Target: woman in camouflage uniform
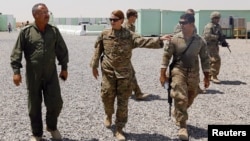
x=115 y=45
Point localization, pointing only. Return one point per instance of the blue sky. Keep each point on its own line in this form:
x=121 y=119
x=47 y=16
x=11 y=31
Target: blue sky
x=21 y=9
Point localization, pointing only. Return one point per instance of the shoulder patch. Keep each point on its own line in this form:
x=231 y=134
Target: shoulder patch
x=27 y=27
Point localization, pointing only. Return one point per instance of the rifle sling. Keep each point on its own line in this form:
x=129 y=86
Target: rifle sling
x=174 y=61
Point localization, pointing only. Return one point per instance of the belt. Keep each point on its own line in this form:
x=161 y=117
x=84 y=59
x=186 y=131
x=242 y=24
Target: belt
x=188 y=69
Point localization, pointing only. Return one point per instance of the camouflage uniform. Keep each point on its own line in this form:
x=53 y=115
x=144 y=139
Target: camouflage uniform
x=129 y=26
x=135 y=86
x=211 y=35
x=185 y=74
x=40 y=52
x=117 y=72
x=177 y=30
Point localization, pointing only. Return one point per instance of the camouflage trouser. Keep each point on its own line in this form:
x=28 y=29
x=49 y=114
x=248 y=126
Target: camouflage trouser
x=215 y=60
x=120 y=88
x=135 y=86
x=184 y=90
x=215 y=63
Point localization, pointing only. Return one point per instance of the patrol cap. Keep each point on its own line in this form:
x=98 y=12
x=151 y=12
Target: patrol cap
x=215 y=14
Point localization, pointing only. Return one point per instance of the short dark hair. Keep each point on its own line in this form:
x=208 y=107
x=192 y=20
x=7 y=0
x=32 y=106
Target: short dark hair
x=188 y=17
x=190 y=11
x=131 y=12
x=35 y=7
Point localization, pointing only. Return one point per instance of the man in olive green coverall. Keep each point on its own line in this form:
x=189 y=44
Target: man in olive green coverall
x=41 y=44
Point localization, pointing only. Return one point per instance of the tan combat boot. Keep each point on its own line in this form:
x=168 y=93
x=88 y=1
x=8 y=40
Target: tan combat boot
x=200 y=91
x=55 y=134
x=183 y=134
x=119 y=134
x=35 y=138
x=215 y=80
x=142 y=96
x=108 y=121
x=209 y=78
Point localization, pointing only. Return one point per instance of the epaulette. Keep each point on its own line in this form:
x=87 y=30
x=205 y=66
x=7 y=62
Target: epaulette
x=26 y=27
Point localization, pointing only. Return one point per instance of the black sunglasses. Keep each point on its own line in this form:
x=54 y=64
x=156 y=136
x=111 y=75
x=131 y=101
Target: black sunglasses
x=183 y=22
x=114 y=20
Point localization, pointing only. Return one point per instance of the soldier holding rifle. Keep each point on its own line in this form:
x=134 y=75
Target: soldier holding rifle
x=185 y=48
x=214 y=37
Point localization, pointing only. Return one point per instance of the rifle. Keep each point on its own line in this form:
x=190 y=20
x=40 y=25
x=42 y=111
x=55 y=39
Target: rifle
x=222 y=39
x=171 y=66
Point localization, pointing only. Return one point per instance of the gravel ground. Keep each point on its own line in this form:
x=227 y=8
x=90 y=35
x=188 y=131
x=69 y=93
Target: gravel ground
x=82 y=115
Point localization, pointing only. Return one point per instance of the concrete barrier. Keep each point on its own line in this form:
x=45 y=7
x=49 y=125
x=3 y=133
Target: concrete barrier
x=82 y=30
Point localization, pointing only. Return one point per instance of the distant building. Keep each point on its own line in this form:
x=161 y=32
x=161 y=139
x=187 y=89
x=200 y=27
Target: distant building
x=5 y=20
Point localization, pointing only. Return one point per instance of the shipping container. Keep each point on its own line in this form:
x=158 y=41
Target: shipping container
x=169 y=19
x=68 y=21
x=148 y=22
x=156 y=22
x=92 y=20
x=97 y=20
x=56 y=21
x=74 y=21
x=203 y=17
x=62 y=21
x=83 y=21
x=5 y=20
